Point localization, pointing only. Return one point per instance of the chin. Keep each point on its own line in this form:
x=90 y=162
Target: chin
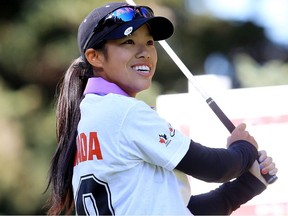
x=143 y=86
x=146 y=87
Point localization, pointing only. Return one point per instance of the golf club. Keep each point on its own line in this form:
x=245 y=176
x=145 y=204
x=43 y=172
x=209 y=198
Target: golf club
x=212 y=104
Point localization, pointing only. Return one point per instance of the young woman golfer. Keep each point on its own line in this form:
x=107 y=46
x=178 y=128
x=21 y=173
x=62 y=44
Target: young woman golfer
x=115 y=155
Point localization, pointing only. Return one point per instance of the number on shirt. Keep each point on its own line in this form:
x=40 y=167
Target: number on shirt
x=93 y=197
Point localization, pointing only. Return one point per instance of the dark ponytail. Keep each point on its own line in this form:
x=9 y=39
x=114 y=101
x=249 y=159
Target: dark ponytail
x=67 y=118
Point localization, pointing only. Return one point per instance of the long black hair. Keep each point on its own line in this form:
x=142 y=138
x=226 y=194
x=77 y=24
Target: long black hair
x=69 y=95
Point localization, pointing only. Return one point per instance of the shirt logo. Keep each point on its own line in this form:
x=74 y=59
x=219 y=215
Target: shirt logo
x=166 y=139
x=172 y=131
x=163 y=139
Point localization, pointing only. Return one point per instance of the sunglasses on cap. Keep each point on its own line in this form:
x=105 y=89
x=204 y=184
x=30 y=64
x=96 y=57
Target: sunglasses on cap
x=118 y=16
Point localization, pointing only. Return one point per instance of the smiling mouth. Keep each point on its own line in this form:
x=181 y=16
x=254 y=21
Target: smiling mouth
x=142 y=68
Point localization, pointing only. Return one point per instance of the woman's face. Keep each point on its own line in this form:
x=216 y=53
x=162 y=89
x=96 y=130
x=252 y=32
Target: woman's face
x=131 y=61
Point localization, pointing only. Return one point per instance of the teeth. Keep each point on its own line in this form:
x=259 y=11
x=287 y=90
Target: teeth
x=142 y=68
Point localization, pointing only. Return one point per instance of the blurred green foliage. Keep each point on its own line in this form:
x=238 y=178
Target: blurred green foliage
x=38 y=43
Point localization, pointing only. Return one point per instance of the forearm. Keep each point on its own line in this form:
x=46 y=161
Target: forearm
x=228 y=197
x=218 y=164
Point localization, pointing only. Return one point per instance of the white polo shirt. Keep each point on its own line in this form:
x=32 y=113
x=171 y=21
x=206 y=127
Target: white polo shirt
x=126 y=155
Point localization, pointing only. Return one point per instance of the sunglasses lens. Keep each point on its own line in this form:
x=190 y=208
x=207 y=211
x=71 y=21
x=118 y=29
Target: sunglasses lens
x=127 y=14
x=146 y=12
x=124 y=14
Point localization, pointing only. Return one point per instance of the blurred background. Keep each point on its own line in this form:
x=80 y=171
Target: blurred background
x=245 y=40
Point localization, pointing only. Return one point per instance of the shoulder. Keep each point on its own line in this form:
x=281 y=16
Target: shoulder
x=113 y=103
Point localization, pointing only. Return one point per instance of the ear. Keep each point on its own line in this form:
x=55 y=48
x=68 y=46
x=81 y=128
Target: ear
x=94 y=57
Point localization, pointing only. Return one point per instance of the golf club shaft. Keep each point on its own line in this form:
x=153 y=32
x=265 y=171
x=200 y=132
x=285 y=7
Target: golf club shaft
x=212 y=104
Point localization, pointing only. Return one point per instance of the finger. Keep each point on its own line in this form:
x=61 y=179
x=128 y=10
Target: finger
x=270 y=169
x=273 y=171
x=262 y=155
x=266 y=163
x=241 y=126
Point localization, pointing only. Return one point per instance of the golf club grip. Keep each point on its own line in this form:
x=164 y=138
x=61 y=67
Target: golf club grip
x=230 y=127
x=220 y=114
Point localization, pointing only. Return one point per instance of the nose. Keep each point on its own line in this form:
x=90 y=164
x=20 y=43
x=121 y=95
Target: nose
x=143 y=52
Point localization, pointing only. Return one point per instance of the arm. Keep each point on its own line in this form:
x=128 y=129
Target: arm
x=217 y=164
x=228 y=197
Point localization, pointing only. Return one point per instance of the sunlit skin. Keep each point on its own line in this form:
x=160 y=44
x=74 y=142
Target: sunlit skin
x=130 y=63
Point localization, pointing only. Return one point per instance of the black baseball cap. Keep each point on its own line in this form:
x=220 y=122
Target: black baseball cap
x=161 y=28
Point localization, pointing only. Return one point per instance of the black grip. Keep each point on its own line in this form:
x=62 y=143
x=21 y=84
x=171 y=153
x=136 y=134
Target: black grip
x=230 y=127
x=220 y=114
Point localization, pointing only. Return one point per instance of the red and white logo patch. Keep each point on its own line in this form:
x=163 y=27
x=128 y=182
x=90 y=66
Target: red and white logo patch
x=166 y=139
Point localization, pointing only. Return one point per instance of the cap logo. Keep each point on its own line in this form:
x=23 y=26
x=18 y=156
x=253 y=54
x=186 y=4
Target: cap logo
x=128 y=31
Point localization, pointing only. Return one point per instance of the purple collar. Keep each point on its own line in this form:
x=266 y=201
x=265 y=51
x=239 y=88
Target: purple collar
x=98 y=85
